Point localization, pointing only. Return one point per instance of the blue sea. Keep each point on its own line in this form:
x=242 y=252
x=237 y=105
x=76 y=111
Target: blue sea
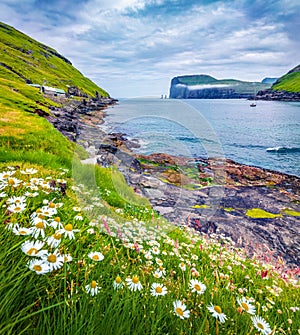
x=267 y=135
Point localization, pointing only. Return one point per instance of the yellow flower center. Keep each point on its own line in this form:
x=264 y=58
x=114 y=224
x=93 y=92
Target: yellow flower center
x=118 y=280
x=32 y=251
x=51 y=258
x=158 y=289
x=40 y=225
x=179 y=311
x=69 y=227
x=37 y=268
x=95 y=257
x=51 y=205
x=197 y=287
x=245 y=306
x=135 y=279
x=5 y=176
x=38 y=210
x=57 y=236
x=93 y=284
x=161 y=268
x=11 y=182
x=218 y=309
x=41 y=216
x=22 y=232
x=57 y=219
x=17 y=209
x=260 y=326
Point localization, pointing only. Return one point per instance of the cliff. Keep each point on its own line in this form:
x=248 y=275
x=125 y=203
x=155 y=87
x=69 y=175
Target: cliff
x=207 y=87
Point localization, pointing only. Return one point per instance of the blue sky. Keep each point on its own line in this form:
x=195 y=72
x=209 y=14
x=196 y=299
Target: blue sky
x=133 y=48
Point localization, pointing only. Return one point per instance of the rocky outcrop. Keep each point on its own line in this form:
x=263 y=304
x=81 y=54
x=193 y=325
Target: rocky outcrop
x=278 y=95
x=209 y=195
x=69 y=119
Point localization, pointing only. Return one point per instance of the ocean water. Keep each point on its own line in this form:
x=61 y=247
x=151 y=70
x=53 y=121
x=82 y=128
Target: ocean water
x=267 y=135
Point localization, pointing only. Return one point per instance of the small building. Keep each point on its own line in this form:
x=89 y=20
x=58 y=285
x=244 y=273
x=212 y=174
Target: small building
x=49 y=90
x=53 y=91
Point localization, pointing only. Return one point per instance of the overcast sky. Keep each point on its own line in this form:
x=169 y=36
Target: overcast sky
x=133 y=48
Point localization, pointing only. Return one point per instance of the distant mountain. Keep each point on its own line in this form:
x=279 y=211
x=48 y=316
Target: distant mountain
x=26 y=61
x=270 y=81
x=206 y=87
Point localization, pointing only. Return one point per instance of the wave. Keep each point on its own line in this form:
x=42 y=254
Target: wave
x=283 y=150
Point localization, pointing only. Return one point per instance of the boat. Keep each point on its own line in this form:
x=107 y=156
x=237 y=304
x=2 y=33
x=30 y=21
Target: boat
x=253 y=104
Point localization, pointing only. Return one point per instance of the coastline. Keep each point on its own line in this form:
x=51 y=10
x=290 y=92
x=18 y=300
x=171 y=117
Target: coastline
x=256 y=207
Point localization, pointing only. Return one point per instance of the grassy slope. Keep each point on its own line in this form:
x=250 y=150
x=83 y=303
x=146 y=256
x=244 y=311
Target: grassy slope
x=23 y=58
x=238 y=85
x=289 y=82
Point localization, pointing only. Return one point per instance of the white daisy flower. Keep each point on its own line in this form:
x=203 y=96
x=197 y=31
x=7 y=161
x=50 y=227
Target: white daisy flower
x=78 y=217
x=180 y=310
x=38 y=266
x=197 y=286
x=117 y=284
x=17 y=208
x=246 y=305
x=134 y=283
x=67 y=258
x=158 y=289
x=261 y=325
x=48 y=210
x=31 y=194
x=14 y=182
x=16 y=200
x=182 y=266
x=155 y=250
x=68 y=231
x=38 y=227
x=54 y=260
x=17 y=230
x=6 y=174
x=56 y=223
x=29 y=171
x=3 y=195
x=54 y=240
x=217 y=312
x=33 y=248
x=96 y=256
x=92 y=288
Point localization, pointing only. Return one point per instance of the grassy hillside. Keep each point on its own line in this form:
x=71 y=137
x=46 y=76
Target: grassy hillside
x=290 y=82
x=25 y=60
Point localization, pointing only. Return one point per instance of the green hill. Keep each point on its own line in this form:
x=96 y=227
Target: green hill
x=290 y=82
x=26 y=61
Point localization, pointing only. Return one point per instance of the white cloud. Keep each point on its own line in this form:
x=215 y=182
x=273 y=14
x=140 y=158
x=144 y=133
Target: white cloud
x=120 y=41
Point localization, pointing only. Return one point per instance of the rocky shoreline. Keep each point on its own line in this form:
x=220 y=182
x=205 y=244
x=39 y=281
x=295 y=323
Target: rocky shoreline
x=258 y=208
x=272 y=95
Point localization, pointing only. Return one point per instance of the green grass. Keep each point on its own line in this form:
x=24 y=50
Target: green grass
x=289 y=82
x=59 y=302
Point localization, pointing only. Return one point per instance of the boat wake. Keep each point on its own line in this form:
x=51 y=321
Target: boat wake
x=283 y=150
